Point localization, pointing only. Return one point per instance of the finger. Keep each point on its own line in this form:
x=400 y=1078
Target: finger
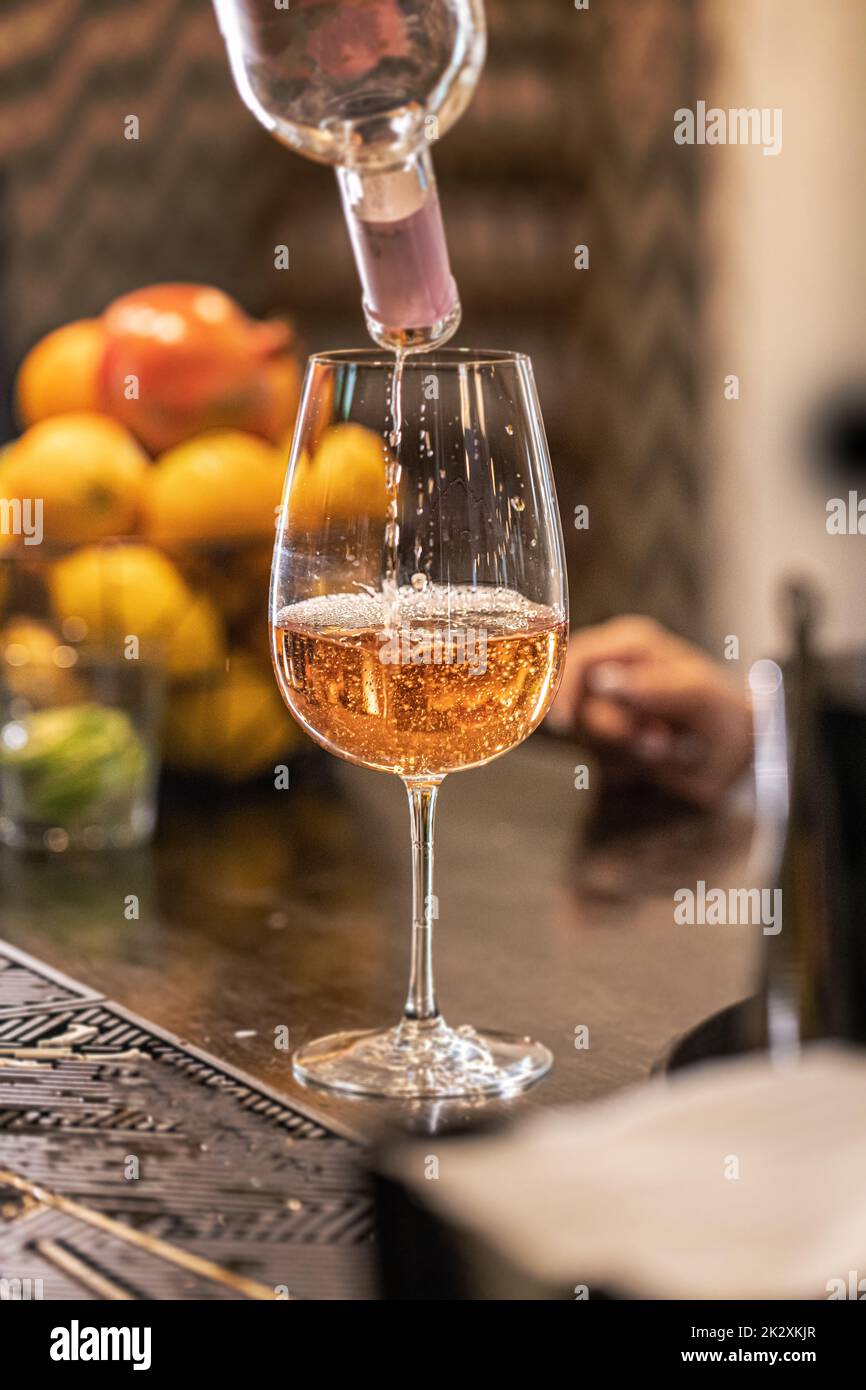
x=669 y=690
x=690 y=750
x=654 y=742
x=657 y=739
x=622 y=639
x=607 y=722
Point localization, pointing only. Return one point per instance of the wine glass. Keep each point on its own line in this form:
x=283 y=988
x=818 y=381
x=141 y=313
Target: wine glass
x=418 y=622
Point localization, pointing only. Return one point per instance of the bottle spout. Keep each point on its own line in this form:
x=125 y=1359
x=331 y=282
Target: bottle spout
x=398 y=239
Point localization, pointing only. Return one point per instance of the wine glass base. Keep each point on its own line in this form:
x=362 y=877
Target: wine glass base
x=422 y=1061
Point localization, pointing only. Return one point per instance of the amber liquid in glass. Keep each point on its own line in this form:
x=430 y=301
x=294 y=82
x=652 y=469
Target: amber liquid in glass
x=462 y=676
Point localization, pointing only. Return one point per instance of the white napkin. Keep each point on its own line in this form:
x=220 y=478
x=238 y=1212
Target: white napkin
x=737 y=1179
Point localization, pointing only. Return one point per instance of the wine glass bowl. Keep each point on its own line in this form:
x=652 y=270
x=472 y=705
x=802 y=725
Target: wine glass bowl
x=419 y=622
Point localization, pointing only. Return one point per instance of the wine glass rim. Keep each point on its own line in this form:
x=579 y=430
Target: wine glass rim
x=440 y=358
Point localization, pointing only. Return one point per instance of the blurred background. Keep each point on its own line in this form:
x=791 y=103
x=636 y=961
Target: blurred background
x=703 y=383
x=703 y=262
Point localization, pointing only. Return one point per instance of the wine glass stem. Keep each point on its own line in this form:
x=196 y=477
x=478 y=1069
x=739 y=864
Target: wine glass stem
x=421 y=1000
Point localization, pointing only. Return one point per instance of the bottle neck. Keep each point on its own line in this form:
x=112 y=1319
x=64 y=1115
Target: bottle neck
x=395 y=226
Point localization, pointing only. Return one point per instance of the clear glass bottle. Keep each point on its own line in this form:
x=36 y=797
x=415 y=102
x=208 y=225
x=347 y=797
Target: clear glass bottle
x=368 y=85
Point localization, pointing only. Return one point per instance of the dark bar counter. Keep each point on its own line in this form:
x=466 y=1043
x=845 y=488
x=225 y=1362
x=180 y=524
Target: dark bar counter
x=260 y=911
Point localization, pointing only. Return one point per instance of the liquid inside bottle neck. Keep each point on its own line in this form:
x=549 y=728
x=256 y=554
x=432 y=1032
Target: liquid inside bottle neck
x=395 y=226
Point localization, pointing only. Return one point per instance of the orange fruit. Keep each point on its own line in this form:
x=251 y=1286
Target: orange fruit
x=86 y=470
x=61 y=372
x=224 y=485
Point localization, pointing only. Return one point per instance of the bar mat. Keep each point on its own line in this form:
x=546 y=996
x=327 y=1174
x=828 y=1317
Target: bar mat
x=133 y=1166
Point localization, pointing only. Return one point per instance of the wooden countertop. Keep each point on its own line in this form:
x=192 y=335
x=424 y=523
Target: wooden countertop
x=291 y=908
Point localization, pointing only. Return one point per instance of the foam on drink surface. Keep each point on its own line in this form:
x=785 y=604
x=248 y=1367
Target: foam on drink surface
x=499 y=610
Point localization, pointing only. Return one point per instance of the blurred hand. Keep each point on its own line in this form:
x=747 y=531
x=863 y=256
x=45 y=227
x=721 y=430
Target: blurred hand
x=656 y=705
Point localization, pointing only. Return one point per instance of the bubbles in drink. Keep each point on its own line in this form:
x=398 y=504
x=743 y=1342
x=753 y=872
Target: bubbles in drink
x=466 y=675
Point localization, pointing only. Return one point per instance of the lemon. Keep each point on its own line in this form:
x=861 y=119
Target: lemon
x=34 y=662
x=133 y=591
x=196 y=645
x=344 y=479
x=221 y=485
x=238 y=579
x=85 y=470
x=233 y=726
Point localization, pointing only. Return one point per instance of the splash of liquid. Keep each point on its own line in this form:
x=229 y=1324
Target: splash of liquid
x=390 y=579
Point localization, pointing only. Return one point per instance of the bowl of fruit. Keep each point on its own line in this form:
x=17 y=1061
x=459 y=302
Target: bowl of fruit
x=136 y=527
